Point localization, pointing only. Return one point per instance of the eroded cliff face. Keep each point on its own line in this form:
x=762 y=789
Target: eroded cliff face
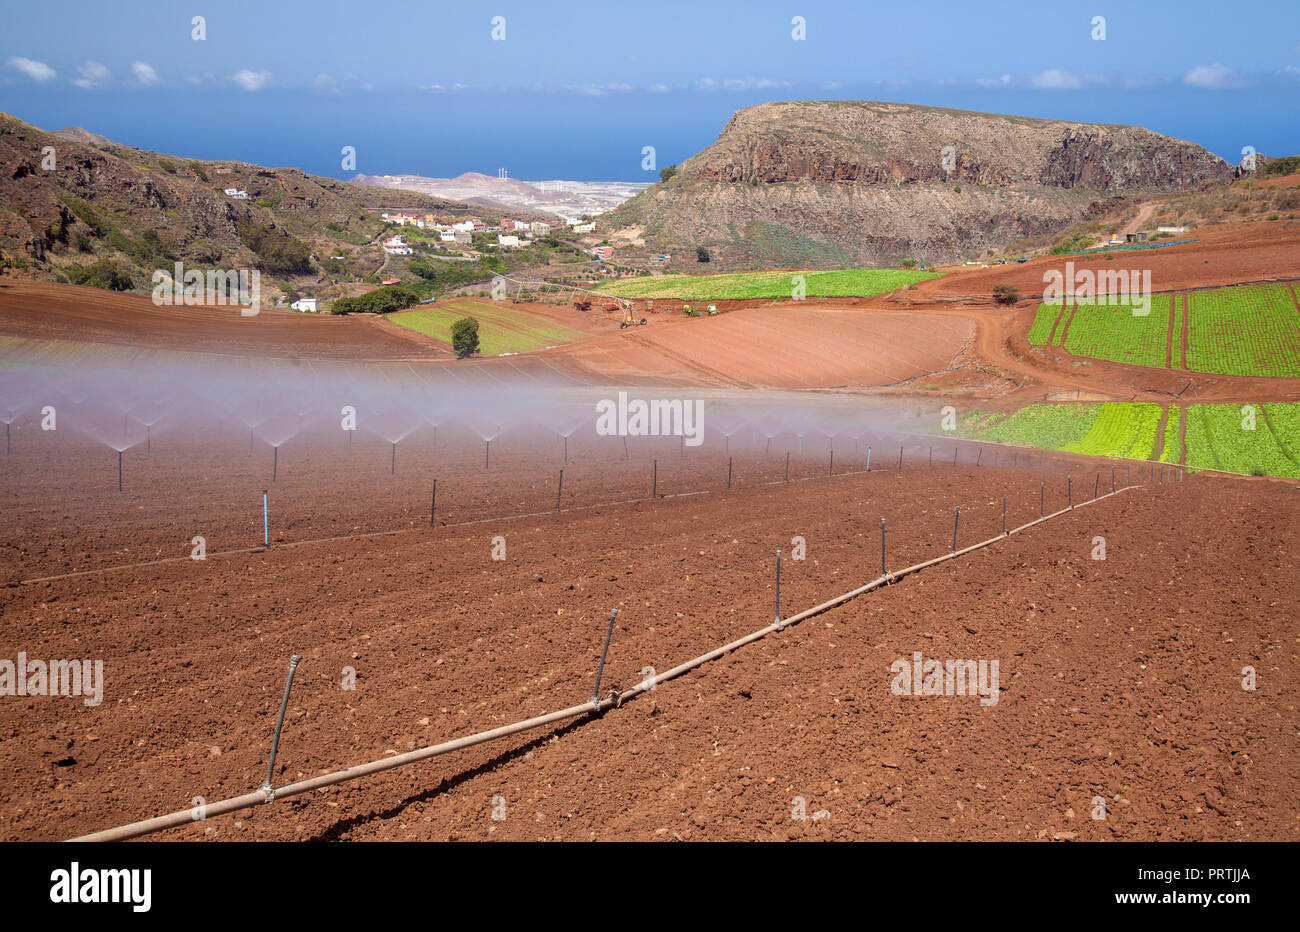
x=876 y=182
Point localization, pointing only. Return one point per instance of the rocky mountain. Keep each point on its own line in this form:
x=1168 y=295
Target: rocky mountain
x=823 y=184
x=75 y=206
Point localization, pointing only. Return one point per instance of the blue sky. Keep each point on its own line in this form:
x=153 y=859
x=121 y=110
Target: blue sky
x=576 y=90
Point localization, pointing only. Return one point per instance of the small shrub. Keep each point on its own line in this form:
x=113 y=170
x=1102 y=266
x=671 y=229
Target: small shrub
x=1005 y=294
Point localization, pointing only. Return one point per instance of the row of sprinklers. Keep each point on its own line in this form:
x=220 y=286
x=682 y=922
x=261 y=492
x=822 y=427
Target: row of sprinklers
x=123 y=410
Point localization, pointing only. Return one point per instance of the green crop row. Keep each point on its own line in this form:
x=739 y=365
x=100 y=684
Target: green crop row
x=1284 y=420
x=1244 y=330
x=1239 y=438
x=1173 y=448
x=859 y=283
x=1121 y=429
x=1115 y=332
x=1052 y=427
x=1044 y=321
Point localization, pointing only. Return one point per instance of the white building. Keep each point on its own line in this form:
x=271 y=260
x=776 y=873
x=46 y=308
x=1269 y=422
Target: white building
x=307 y=305
x=508 y=242
x=237 y=194
x=584 y=227
x=447 y=236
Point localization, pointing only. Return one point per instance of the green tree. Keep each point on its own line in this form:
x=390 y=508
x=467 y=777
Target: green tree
x=464 y=337
x=666 y=173
x=702 y=254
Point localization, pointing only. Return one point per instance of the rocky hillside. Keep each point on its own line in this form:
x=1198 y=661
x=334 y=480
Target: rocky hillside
x=866 y=183
x=109 y=214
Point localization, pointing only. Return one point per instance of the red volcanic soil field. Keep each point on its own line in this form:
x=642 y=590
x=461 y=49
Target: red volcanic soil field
x=797 y=345
x=1118 y=678
x=45 y=311
x=794 y=345
x=1221 y=254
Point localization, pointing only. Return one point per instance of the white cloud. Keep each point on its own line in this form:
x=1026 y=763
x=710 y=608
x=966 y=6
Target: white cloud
x=740 y=84
x=38 y=71
x=659 y=89
x=251 y=80
x=999 y=81
x=326 y=85
x=93 y=74
x=1213 y=76
x=144 y=73
x=1056 y=80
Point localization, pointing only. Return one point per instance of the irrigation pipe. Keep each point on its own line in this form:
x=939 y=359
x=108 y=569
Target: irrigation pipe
x=594 y=705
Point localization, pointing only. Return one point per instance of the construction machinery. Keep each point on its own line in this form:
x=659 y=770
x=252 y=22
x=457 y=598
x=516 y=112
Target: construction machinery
x=583 y=301
x=627 y=319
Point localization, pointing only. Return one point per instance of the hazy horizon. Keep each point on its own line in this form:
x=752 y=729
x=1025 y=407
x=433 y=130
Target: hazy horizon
x=578 y=93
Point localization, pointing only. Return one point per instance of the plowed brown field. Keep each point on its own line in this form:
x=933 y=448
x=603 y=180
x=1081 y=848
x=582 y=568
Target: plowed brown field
x=1118 y=678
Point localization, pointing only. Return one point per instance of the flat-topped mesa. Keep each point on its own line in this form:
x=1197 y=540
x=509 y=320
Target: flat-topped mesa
x=882 y=143
x=838 y=183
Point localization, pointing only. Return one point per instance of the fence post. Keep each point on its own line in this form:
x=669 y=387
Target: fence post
x=882 y=546
x=831 y=471
x=778 y=587
x=868 y=459
x=1069 y=491
x=595 y=696
x=1042 y=499
x=559 y=491
x=267 y=788
x=654 y=489
x=787 y=465
x=956 y=519
x=729 y=460
x=1004 y=516
x=433 y=503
